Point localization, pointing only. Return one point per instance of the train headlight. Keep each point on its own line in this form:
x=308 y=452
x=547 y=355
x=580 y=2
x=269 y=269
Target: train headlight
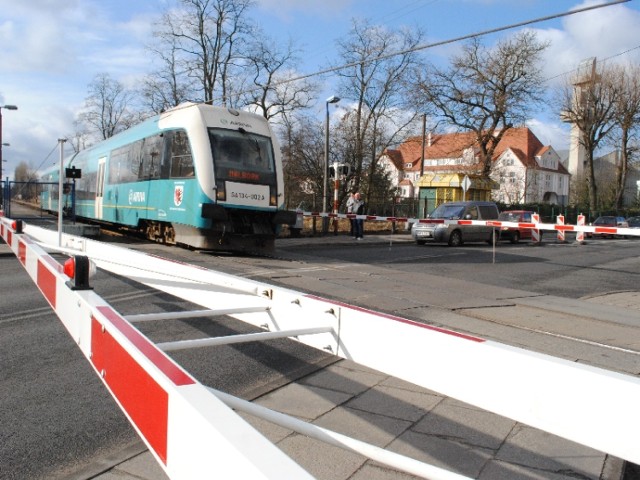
x=221 y=193
x=273 y=198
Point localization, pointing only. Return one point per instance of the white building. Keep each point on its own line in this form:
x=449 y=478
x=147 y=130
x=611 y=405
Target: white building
x=524 y=170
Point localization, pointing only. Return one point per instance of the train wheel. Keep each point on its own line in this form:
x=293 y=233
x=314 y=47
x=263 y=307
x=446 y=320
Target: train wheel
x=151 y=231
x=168 y=234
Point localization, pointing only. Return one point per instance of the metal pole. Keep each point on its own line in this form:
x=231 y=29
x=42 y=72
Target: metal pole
x=336 y=188
x=60 y=184
x=325 y=220
x=325 y=186
x=1 y=184
x=424 y=136
x=2 y=190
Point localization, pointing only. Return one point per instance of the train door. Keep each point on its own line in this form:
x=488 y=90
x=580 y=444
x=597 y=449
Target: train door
x=100 y=187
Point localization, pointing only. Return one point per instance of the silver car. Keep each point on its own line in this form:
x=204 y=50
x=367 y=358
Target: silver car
x=456 y=235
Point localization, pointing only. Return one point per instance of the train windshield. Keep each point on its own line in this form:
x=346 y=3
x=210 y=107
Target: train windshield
x=242 y=156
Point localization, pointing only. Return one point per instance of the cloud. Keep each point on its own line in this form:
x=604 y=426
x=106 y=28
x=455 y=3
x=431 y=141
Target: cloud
x=550 y=132
x=605 y=33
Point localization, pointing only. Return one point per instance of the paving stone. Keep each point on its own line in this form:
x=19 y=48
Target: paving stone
x=402 y=404
x=337 y=377
x=535 y=448
x=465 y=423
x=303 y=401
x=377 y=430
x=321 y=459
x=443 y=453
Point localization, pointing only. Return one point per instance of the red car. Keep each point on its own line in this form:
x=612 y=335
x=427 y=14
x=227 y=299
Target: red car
x=514 y=234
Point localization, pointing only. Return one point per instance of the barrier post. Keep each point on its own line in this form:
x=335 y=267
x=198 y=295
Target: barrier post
x=535 y=233
x=561 y=236
x=580 y=234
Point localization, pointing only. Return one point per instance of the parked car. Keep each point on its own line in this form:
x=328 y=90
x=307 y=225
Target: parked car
x=515 y=234
x=608 y=221
x=454 y=234
x=633 y=222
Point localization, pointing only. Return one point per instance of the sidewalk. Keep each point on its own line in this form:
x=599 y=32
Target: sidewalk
x=404 y=418
x=401 y=417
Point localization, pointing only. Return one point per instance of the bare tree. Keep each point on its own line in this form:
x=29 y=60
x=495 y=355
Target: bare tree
x=79 y=139
x=487 y=90
x=304 y=161
x=207 y=36
x=376 y=82
x=269 y=89
x=591 y=108
x=26 y=178
x=627 y=122
x=107 y=108
x=168 y=86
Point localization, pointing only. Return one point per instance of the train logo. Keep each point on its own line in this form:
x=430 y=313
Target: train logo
x=136 y=197
x=178 y=193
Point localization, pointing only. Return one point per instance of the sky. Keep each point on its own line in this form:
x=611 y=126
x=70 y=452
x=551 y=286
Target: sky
x=50 y=50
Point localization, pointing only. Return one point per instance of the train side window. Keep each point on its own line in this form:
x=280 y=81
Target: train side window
x=125 y=163
x=151 y=157
x=180 y=153
x=119 y=158
x=136 y=166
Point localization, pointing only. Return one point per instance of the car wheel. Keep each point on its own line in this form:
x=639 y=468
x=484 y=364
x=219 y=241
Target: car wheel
x=455 y=239
x=515 y=237
x=420 y=242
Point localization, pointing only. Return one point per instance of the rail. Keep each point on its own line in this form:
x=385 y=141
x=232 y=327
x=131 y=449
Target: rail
x=183 y=421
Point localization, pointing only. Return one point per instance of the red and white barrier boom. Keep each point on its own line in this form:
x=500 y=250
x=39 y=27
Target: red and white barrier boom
x=580 y=228
x=193 y=434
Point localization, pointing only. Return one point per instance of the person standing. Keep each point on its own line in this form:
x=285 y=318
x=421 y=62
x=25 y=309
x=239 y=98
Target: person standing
x=358 y=209
x=351 y=201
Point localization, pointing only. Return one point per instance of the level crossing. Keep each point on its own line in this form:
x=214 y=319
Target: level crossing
x=332 y=326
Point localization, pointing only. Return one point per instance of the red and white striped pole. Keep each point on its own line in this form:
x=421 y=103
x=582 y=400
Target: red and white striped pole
x=580 y=234
x=535 y=233
x=561 y=235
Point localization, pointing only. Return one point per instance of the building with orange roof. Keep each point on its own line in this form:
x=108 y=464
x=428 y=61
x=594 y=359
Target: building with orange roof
x=524 y=170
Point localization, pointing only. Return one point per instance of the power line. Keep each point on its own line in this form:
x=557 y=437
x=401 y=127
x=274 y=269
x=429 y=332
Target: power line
x=602 y=60
x=443 y=42
x=47 y=157
x=453 y=40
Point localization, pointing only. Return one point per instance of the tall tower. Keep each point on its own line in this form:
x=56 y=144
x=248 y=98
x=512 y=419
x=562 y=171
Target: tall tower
x=584 y=77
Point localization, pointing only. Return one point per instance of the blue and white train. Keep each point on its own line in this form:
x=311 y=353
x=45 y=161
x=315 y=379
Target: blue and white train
x=196 y=175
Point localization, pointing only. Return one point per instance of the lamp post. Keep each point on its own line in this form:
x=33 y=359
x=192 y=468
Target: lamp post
x=325 y=220
x=8 y=107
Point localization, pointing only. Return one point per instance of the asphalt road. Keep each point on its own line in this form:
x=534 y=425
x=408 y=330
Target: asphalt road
x=568 y=270
x=56 y=416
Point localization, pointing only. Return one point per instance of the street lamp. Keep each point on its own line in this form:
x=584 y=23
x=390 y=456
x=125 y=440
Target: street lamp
x=325 y=222
x=8 y=107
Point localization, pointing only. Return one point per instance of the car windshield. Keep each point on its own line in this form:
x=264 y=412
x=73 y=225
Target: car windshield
x=509 y=217
x=605 y=221
x=448 y=212
x=634 y=221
